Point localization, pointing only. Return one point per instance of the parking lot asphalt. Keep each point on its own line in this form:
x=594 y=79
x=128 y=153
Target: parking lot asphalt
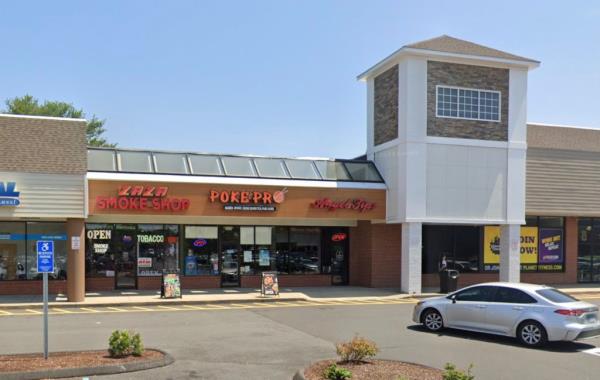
x=273 y=342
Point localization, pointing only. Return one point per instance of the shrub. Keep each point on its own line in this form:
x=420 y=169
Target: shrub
x=451 y=373
x=333 y=372
x=357 y=350
x=122 y=343
x=137 y=348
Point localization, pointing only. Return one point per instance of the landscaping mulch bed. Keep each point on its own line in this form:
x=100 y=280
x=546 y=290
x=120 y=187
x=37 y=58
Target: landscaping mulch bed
x=376 y=370
x=75 y=359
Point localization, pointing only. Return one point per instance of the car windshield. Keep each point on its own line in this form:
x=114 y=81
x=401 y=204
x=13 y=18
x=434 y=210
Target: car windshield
x=556 y=296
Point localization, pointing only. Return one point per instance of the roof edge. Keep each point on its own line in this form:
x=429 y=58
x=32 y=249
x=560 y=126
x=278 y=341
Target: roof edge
x=18 y=116
x=406 y=51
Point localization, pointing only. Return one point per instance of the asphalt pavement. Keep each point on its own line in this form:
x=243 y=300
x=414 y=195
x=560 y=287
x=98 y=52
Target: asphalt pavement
x=241 y=342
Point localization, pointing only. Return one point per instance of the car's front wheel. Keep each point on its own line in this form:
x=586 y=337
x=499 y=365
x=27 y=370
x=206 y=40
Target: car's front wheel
x=432 y=320
x=532 y=334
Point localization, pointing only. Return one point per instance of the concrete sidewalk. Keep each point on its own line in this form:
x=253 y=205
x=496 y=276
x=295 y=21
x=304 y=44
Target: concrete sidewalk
x=141 y=297
x=205 y=296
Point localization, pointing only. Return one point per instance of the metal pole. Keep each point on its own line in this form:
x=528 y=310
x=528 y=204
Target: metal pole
x=45 y=315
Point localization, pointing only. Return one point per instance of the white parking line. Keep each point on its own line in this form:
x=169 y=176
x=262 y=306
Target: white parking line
x=592 y=351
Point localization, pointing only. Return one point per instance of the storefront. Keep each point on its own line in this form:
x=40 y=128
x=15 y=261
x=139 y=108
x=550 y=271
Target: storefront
x=453 y=177
x=291 y=216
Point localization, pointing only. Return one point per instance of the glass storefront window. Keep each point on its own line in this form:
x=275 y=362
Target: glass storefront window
x=281 y=249
x=201 y=247
x=47 y=231
x=157 y=247
x=305 y=250
x=99 y=258
x=13 y=260
x=451 y=247
x=258 y=251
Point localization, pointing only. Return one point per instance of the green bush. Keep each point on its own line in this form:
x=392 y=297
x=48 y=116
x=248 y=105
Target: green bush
x=333 y=372
x=137 y=348
x=451 y=373
x=357 y=350
x=122 y=343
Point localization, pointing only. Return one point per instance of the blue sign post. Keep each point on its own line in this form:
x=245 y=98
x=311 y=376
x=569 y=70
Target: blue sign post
x=45 y=265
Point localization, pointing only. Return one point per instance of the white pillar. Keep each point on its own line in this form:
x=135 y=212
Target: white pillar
x=411 y=258
x=510 y=253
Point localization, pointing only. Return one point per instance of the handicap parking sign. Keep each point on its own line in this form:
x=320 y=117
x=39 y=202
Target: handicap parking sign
x=45 y=256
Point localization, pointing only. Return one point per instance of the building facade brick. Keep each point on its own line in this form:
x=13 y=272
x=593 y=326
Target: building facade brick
x=386 y=106
x=468 y=76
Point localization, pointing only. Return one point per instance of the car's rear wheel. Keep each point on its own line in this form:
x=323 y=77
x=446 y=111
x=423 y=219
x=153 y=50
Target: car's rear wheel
x=432 y=320
x=532 y=334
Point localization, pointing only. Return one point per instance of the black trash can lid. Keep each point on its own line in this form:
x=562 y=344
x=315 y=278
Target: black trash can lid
x=453 y=273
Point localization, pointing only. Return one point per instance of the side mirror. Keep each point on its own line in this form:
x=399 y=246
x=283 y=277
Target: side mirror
x=453 y=298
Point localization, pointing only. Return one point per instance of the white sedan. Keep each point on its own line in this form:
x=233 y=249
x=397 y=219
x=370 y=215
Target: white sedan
x=534 y=314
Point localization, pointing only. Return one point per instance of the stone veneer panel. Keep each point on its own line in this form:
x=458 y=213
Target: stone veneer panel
x=477 y=77
x=386 y=106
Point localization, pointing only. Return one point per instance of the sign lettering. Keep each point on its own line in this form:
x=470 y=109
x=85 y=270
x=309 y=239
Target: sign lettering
x=143 y=198
x=8 y=195
x=356 y=204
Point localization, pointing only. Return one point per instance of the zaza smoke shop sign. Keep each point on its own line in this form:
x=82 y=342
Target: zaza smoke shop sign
x=141 y=198
x=234 y=200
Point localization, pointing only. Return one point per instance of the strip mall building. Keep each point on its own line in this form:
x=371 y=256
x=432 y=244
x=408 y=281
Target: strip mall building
x=453 y=176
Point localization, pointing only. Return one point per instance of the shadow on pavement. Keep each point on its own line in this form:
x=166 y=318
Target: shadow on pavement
x=561 y=347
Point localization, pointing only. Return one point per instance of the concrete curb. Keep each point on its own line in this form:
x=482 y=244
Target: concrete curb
x=147 y=303
x=299 y=375
x=175 y=302
x=91 y=371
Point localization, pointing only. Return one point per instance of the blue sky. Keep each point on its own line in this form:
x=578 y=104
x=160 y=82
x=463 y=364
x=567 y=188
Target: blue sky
x=273 y=77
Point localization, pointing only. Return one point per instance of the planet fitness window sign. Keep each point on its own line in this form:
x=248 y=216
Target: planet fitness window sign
x=551 y=249
x=541 y=249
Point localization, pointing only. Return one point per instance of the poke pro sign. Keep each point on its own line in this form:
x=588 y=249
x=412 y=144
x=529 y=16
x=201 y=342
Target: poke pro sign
x=528 y=248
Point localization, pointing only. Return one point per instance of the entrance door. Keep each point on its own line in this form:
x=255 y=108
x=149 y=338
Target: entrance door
x=335 y=255
x=125 y=256
x=588 y=253
x=230 y=256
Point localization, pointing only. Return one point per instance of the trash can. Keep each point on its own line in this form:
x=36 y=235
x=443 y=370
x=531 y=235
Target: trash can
x=448 y=280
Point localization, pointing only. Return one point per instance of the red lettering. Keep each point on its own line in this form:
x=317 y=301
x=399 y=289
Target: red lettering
x=137 y=191
x=257 y=197
x=112 y=202
x=245 y=197
x=357 y=204
x=133 y=204
x=267 y=198
x=143 y=204
x=124 y=190
x=156 y=203
x=175 y=204
x=100 y=203
x=123 y=203
x=161 y=191
x=224 y=197
x=148 y=191
x=164 y=204
x=185 y=204
x=213 y=196
x=235 y=197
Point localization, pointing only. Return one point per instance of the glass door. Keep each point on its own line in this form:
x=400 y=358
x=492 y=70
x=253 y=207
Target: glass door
x=125 y=256
x=230 y=256
x=588 y=253
x=335 y=255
